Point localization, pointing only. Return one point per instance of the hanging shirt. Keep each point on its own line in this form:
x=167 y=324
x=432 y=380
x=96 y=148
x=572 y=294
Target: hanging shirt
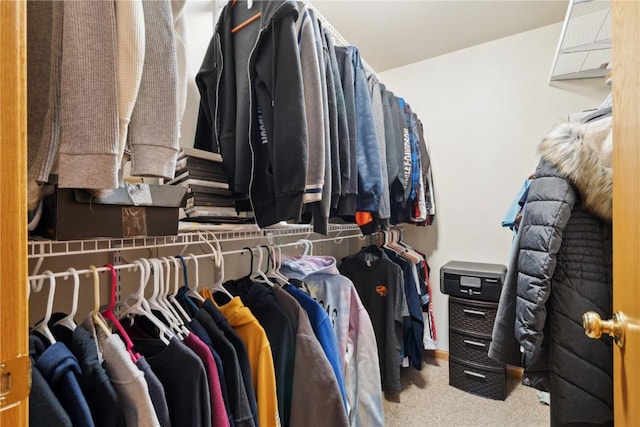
x=323 y=330
x=126 y=378
x=354 y=333
x=94 y=382
x=202 y=333
x=313 y=376
x=260 y=300
x=218 y=411
x=61 y=370
x=156 y=392
x=44 y=406
x=237 y=393
x=182 y=374
x=258 y=348
x=380 y=285
x=413 y=324
x=239 y=347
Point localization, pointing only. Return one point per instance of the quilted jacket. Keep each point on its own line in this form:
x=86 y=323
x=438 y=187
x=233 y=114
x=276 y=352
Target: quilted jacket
x=561 y=268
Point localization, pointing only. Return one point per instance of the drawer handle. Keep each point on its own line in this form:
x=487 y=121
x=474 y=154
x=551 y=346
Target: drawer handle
x=474 y=312
x=476 y=343
x=475 y=374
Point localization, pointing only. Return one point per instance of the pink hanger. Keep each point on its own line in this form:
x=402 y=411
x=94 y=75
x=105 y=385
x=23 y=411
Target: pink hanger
x=109 y=315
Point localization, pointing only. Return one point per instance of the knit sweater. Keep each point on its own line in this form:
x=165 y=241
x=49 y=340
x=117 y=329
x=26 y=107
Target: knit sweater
x=153 y=132
x=89 y=111
x=130 y=33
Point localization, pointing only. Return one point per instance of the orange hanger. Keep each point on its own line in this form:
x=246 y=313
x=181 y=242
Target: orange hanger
x=245 y=23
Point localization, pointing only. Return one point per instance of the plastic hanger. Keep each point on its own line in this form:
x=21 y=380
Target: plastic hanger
x=110 y=316
x=248 y=21
x=185 y=287
x=193 y=292
x=260 y=276
x=140 y=306
x=275 y=271
x=246 y=248
x=95 y=314
x=403 y=249
x=172 y=295
x=68 y=321
x=308 y=247
x=164 y=300
x=155 y=303
x=43 y=325
x=218 y=284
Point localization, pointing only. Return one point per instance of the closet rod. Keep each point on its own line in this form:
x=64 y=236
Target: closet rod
x=65 y=274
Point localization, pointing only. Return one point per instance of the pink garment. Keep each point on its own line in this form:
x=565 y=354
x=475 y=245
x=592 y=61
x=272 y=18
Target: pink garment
x=219 y=416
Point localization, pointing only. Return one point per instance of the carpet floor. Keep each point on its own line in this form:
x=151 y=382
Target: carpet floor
x=427 y=399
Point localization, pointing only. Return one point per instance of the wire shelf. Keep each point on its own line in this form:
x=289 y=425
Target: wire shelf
x=49 y=248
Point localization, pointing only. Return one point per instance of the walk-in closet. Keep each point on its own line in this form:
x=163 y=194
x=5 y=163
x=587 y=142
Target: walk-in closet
x=319 y=213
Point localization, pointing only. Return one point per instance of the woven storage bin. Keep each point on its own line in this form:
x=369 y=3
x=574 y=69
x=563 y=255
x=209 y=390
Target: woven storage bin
x=472 y=348
x=472 y=316
x=490 y=383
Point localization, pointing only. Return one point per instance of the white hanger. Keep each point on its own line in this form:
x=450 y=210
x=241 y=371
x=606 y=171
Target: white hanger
x=155 y=301
x=68 y=321
x=176 y=288
x=218 y=260
x=43 y=325
x=140 y=305
x=193 y=291
x=259 y=276
x=308 y=247
x=275 y=271
x=95 y=314
x=166 y=290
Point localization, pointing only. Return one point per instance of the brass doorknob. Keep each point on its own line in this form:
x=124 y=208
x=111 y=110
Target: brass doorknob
x=594 y=326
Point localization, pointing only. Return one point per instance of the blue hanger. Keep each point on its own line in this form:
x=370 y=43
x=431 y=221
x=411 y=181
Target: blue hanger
x=182 y=293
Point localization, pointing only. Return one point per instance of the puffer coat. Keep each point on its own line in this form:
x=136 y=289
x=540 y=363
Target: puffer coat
x=560 y=269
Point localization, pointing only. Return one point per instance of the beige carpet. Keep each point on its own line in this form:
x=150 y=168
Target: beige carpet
x=428 y=400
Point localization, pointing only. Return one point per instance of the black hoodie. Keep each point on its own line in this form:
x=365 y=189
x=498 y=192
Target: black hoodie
x=252 y=107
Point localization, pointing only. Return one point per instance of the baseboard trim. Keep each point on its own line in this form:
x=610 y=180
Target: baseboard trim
x=512 y=371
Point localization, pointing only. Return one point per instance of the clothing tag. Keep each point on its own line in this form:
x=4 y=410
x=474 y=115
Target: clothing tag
x=140 y=194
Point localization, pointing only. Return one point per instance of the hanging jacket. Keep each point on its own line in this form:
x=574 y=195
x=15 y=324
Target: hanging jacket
x=252 y=107
x=313 y=377
x=258 y=348
x=347 y=203
x=368 y=148
x=44 y=406
x=354 y=332
x=344 y=145
x=563 y=270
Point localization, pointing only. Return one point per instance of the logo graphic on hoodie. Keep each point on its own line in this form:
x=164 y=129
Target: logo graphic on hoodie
x=381 y=290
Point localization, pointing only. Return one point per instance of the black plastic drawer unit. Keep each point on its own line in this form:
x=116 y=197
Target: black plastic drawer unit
x=474 y=291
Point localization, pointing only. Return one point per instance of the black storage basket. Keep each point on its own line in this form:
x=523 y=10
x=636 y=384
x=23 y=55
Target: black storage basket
x=477 y=380
x=472 y=348
x=471 y=316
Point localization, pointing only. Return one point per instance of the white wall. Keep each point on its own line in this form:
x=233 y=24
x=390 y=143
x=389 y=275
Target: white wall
x=484 y=109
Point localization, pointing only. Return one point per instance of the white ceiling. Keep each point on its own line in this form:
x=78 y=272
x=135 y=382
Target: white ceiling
x=393 y=33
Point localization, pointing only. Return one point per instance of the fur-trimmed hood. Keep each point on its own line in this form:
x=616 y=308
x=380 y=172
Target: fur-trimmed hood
x=582 y=152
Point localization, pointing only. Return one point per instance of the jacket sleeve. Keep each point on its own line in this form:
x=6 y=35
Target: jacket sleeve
x=280 y=101
x=549 y=203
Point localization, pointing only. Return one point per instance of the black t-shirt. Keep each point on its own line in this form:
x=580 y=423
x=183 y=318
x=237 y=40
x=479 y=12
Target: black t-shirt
x=183 y=377
x=380 y=285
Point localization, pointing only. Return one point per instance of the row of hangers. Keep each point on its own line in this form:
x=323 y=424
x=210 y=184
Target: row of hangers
x=392 y=239
x=162 y=299
x=162 y=277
